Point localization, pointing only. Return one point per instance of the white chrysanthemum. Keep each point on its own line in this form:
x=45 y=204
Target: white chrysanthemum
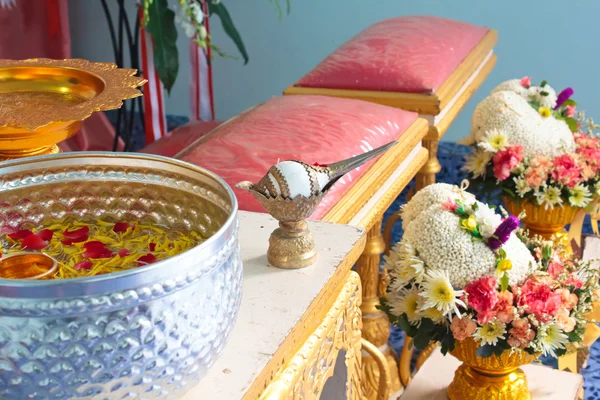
x=522 y=186
x=493 y=141
x=437 y=292
x=437 y=193
x=513 y=85
x=430 y=312
x=443 y=245
x=490 y=333
x=405 y=302
x=580 y=196
x=522 y=124
x=552 y=338
x=549 y=197
x=477 y=162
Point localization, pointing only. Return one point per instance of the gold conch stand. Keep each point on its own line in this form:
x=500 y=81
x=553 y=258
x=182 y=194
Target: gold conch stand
x=44 y=102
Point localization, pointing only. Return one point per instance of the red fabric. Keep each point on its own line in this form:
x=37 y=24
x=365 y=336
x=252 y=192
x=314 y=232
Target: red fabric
x=180 y=138
x=40 y=29
x=413 y=54
x=305 y=128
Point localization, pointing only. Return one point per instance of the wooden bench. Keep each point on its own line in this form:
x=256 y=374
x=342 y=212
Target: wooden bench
x=429 y=65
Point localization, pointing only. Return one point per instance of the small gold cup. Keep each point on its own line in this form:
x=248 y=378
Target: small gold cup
x=28 y=265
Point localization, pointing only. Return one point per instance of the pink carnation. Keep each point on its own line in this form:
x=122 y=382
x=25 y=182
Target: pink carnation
x=569 y=300
x=555 y=268
x=566 y=170
x=568 y=323
x=482 y=297
x=570 y=111
x=539 y=299
x=535 y=177
x=505 y=310
x=462 y=328
x=521 y=334
x=506 y=160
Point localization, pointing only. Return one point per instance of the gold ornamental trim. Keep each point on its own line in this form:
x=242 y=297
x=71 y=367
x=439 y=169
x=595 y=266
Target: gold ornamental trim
x=541 y=221
x=39 y=91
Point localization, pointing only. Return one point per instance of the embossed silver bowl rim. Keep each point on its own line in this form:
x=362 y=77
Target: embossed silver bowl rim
x=185 y=264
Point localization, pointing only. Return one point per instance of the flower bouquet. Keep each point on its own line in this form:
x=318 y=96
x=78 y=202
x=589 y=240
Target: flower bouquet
x=542 y=153
x=464 y=276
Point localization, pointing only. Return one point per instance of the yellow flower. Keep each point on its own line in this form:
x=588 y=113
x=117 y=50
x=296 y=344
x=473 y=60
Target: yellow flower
x=504 y=265
x=545 y=112
x=470 y=223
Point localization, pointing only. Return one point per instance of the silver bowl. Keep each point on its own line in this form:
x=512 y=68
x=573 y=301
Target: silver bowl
x=149 y=332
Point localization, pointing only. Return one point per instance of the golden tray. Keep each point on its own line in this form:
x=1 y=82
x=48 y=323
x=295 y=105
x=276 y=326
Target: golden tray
x=44 y=101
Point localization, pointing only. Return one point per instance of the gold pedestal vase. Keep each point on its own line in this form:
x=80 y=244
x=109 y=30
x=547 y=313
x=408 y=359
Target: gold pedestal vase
x=490 y=378
x=540 y=221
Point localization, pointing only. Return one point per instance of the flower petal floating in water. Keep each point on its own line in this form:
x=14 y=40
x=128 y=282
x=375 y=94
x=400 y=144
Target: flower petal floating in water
x=96 y=249
x=83 y=265
x=46 y=234
x=22 y=234
x=122 y=227
x=123 y=252
x=33 y=242
x=77 y=233
x=147 y=259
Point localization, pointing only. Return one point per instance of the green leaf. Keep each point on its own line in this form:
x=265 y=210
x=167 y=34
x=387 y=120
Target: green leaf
x=544 y=83
x=544 y=93
x=572 y=123
x=570 y=102
x=502 y=253
x=228 y=26
x=509 y=192
x=161 y=26
x=504 y=282
x=485 y=351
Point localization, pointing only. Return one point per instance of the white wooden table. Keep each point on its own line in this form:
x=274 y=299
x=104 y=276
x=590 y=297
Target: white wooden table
x=292 y=323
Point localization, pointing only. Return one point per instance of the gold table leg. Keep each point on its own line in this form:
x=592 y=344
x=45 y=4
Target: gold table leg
x=426 y=175
x=376 y=325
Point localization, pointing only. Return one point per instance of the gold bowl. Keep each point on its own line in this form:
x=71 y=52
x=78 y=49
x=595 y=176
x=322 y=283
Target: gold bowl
x=28 y=265
x=44 y=102
x=540 y=221
x=492 y=378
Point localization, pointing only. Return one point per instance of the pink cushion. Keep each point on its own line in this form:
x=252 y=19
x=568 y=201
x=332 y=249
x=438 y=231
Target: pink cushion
x=180 y=138
x=405 y=54
x=305 y=128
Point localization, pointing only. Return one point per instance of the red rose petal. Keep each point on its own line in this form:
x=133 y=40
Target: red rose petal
x=33 y=242
x=147 y=259
x=67 y=242
x=83 y=265
x=77 y=233
x=22 y=234
x=94 y=244
x=46 y=234
x=122 y=227
x=123 y=252
x=152 y=246
x=98 y=252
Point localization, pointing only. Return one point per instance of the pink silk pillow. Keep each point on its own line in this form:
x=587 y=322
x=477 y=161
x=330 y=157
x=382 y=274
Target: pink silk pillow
x=413 y=54
x=305 y=128
x=180 y=138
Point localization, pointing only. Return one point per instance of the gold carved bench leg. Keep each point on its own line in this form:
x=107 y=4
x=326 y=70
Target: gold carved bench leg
x=376 y=325
x=426 y=175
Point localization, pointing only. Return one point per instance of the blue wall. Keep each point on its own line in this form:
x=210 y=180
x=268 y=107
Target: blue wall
x=552 y=39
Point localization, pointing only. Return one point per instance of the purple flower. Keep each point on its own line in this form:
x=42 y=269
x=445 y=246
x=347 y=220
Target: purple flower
x=503 y=231
x=563 y=96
